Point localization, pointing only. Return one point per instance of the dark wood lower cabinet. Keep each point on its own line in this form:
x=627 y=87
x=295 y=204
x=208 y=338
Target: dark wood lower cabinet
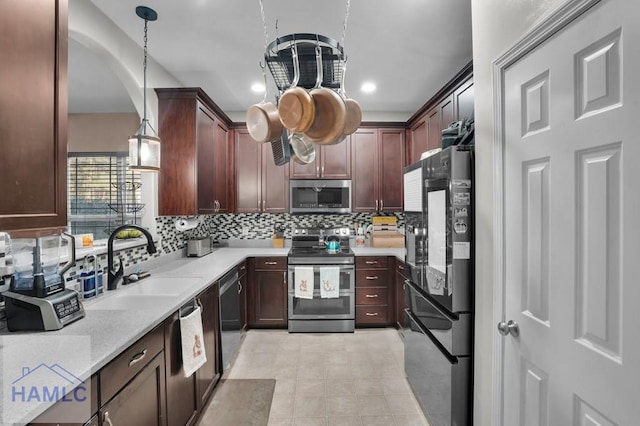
x=181 y=391
x=186 y=396
x=142 y=401
x=400 y=277
x=374 y=300
x=209 y=374
x=243 y=284
x=268 y=292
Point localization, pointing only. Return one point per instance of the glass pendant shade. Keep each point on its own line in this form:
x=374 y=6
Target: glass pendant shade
x=144 y=149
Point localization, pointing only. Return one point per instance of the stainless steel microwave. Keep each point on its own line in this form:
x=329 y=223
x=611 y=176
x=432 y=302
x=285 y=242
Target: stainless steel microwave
x=320 y=196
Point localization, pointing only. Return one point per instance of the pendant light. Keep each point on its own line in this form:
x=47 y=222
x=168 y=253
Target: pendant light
x=144 y=145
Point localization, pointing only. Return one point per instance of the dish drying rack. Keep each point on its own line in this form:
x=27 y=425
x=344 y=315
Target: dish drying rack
x=279 y=59
x=125 y=209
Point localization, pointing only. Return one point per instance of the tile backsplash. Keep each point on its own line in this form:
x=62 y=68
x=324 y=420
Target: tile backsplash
x=258 y=225
x=222 y=227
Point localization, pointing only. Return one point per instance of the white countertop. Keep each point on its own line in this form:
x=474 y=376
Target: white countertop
x=105 y=332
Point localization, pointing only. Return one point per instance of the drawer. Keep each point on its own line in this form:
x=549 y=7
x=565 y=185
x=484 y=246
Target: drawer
x=122 y=369
x=369 y=262
x=371 y=278
x=371 y=296
x=270 y=263
x=372 y=314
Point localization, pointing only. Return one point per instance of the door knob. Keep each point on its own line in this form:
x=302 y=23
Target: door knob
x=509 y=327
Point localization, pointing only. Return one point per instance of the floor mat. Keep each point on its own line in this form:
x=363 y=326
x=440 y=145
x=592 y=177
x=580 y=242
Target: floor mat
x=240 y=402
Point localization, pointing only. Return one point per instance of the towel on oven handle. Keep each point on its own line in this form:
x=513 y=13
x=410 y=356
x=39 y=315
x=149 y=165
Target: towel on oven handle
x=329 y=282
x=303 y=282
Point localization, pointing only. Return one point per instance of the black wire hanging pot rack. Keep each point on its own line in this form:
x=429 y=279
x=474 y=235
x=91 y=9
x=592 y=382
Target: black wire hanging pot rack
x=279 y=59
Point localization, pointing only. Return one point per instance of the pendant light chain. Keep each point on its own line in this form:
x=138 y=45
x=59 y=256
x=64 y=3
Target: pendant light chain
x=144 y=72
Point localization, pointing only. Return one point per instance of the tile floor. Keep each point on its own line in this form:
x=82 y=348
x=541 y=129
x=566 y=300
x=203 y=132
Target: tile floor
x=331 y=379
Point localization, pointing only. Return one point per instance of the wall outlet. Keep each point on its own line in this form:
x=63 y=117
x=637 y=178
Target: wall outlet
x=245 y=230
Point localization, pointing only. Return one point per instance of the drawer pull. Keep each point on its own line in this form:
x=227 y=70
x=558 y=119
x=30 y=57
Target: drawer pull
x=370 y=314
x=106 y=420
x=138 y=357
x=401 y=267
x=371 y=262
x=270 y=263
x=375 y=277
x=371 y=295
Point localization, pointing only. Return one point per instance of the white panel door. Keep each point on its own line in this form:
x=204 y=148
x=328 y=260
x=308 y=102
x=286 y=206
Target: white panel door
x=572 y=224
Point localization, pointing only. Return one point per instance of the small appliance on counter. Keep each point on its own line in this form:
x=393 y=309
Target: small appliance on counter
x=37 y=298
x=199 y=247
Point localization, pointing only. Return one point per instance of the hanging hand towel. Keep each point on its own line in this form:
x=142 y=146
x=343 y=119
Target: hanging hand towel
x=303 y=285
x=193 y=354
x=329 y=282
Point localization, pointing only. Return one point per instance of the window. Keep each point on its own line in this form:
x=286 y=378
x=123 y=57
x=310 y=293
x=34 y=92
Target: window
x=103 y=193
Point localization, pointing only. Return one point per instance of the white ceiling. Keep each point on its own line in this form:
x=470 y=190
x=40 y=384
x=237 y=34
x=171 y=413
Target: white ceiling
x=409 y=48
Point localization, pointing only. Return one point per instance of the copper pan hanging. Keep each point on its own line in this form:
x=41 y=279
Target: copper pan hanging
x=263 y=120
x=330 y=114
x=296 y=106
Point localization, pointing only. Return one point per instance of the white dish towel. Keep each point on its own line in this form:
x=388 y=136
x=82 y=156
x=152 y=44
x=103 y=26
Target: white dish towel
x=329 y=282
x=303 y=285
x=192 y=340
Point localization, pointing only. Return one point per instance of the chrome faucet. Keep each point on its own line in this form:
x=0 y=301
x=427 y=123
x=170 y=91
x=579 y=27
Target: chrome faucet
x=114 y=277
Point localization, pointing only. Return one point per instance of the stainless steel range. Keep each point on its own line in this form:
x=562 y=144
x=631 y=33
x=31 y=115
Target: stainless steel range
x=321 y=252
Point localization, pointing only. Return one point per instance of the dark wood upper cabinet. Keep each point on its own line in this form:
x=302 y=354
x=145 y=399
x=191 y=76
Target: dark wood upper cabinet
x=261 y=186
x=419 y=132
x=452 y=103
x=196 y=156
x=377 y=161
x=33 y=105
x=464 y=100
x=391 y=152
x=332 y=162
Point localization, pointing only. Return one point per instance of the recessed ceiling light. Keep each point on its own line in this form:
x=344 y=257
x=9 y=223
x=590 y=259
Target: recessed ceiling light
x=258 y=87
x=368 y=87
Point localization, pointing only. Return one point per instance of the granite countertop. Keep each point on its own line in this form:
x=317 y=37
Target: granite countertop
x=119 y=318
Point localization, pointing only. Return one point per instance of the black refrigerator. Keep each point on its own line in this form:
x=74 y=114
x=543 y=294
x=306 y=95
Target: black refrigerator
x=438 y=327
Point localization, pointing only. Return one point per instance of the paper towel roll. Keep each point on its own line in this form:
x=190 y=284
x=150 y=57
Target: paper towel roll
x=185 y=224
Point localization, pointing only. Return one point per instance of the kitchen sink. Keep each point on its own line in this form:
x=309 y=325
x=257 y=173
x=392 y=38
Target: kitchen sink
x=126 y=302
x=160 y=285
x=146 y=294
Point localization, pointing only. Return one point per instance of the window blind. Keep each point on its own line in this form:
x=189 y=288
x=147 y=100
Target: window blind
x=103 y=193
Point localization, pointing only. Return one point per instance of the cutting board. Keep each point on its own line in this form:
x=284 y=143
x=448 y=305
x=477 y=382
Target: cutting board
x=387 y=240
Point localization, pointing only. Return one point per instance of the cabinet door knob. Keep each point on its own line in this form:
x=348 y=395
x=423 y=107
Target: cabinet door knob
x=381 y=205
x=376 y=205
x=239 y=286
x=322 y=171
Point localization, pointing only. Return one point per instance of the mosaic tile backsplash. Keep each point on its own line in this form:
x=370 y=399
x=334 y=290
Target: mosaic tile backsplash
x=221 y=227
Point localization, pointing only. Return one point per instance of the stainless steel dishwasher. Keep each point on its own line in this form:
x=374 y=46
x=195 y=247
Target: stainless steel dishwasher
x=230 y=323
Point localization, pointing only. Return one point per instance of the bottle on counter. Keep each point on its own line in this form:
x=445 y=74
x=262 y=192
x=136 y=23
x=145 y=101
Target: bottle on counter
x=99 y=277
x=88 y=278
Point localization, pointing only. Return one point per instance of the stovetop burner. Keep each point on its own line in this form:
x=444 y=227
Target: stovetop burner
x=308 y=245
